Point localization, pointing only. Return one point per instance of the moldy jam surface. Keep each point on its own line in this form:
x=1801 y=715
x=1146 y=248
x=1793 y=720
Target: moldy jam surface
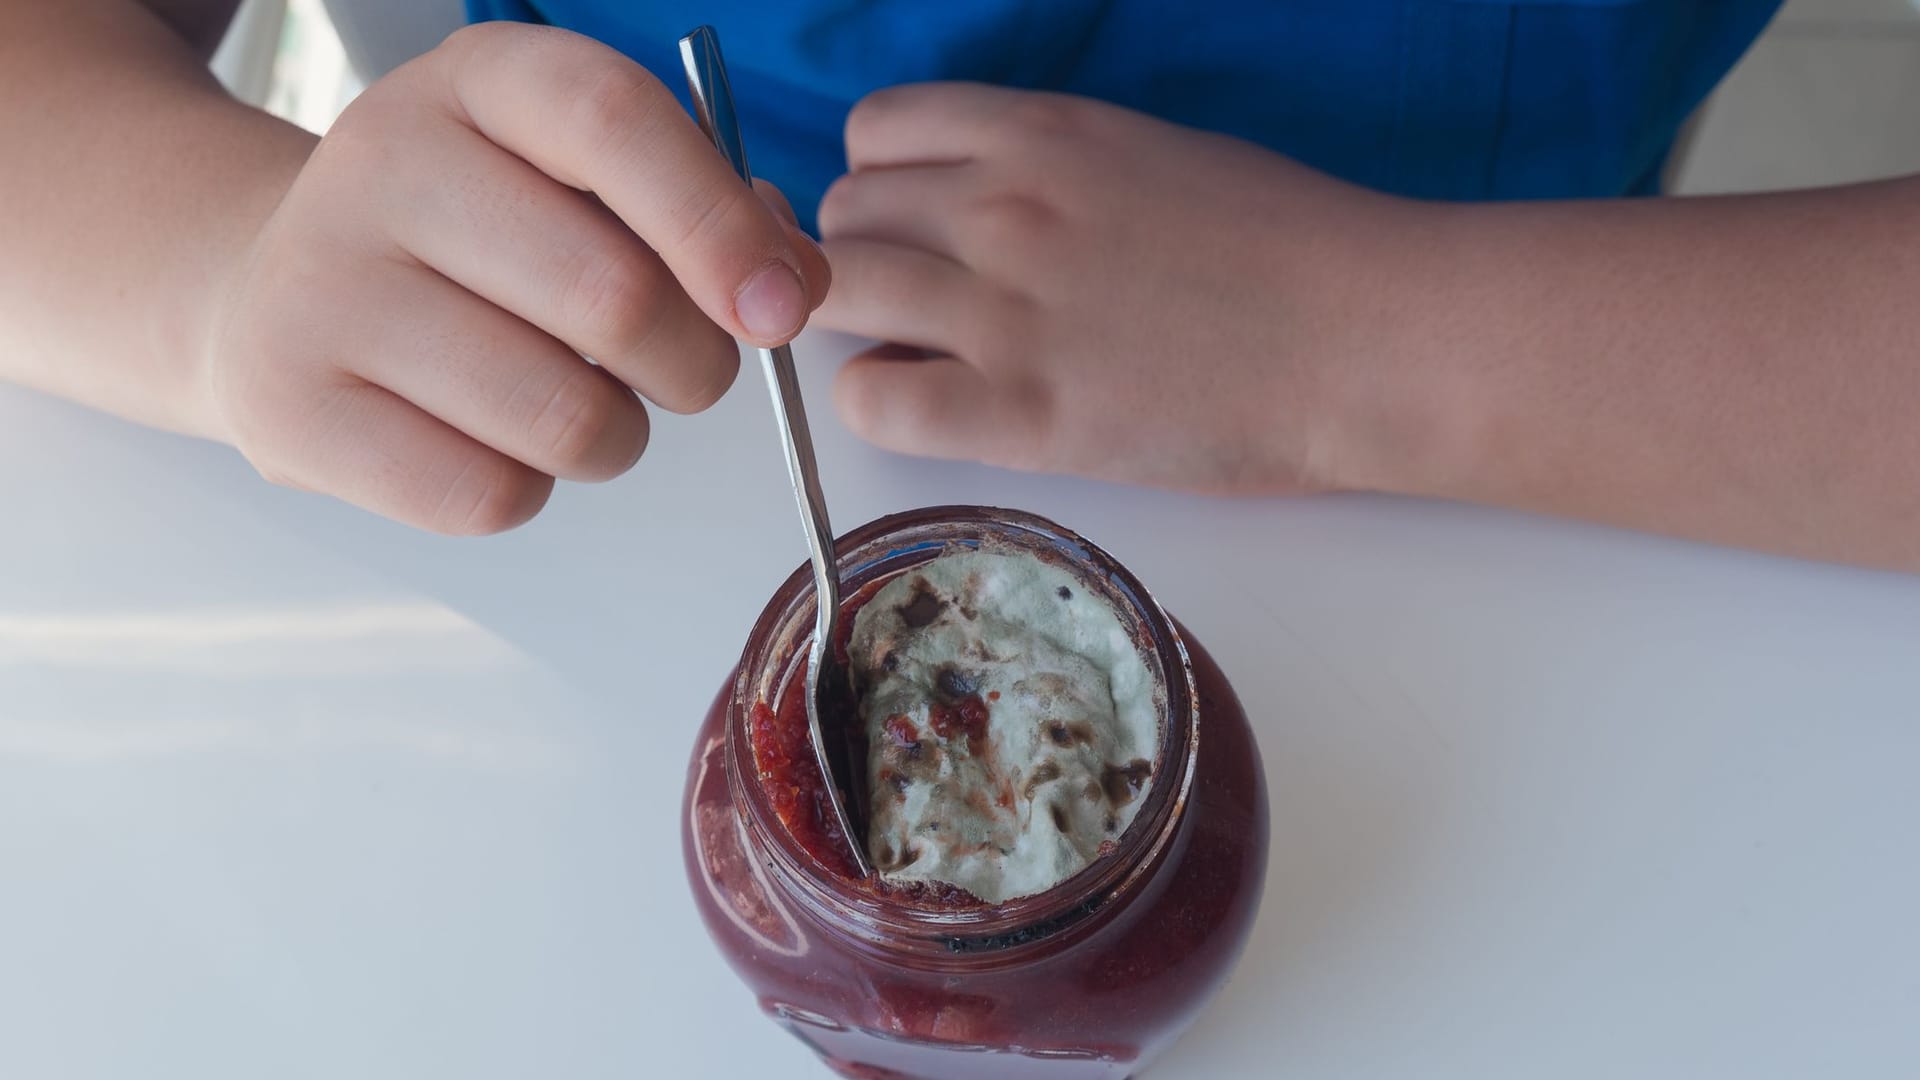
x=1092 y=977
x=1013 y=717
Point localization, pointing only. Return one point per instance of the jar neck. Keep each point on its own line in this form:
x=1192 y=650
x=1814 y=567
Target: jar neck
x=972 y=937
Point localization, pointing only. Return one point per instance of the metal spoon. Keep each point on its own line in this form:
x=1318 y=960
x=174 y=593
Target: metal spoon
x=713 y=108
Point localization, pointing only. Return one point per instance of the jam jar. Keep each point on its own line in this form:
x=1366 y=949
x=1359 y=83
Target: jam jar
x=1091 y=978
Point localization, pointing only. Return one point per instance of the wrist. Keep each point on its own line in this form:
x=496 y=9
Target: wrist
x=261 y=184
x=1401 y=401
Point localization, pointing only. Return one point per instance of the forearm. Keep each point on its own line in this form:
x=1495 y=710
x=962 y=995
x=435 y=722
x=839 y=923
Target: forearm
x=132 y=184
x=1741 y=370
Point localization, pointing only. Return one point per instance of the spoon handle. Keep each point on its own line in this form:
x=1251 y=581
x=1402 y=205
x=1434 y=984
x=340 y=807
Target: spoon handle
x=713 y=108
x=798 y=441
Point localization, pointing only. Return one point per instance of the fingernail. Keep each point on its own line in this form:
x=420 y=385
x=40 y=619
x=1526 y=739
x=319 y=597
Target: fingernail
x=772 y=303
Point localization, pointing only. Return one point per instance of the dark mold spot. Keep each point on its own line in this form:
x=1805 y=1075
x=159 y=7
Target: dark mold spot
x=1123 y=782
x=1045 y=773
x=1063 y=593
x=956 y=683
x=1059 y=816
x=1067 y=733
x=924 y=607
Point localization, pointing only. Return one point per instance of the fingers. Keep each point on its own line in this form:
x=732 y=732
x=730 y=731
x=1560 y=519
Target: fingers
x=366 y=446
x=935 y=406
x=905 y=204
x=901 y=294
x=594 y=120
x=965 y=401
x=940 y=122
x=560 y=261
x=495 y=378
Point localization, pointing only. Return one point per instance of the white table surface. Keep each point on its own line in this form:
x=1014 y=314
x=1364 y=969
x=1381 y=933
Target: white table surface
x=288 y=791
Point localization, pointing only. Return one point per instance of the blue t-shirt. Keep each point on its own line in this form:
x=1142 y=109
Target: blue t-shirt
x=1449 y=99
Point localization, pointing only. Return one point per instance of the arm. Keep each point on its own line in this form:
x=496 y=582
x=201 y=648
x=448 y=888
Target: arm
x=1742 y=370
x=132 y=184
x=1088 y=290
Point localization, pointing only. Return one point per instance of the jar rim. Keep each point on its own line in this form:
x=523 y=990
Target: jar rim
x=881 y=549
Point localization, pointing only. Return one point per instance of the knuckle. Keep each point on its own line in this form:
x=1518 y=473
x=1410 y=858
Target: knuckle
x=1015 y=220
x=612 y=105
x=574 y=421
x=614 y=301
x=717 y=216
x=487 y=495
x=1048 y=117
x=707 y=374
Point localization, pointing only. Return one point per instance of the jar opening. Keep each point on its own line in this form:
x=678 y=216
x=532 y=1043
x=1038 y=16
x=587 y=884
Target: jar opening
x=771 y=665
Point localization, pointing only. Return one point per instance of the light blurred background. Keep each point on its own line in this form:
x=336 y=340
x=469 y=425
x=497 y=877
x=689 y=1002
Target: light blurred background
x=1830 y=94
x=285 y=55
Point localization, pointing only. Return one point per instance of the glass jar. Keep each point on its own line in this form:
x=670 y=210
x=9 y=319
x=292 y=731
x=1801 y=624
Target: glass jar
x=1093 y=977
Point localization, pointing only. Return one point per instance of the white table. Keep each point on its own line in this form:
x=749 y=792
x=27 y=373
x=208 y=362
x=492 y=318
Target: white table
x=287 y=791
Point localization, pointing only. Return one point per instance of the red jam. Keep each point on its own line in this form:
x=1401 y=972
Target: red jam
x=1091 y=979
x=793 y=783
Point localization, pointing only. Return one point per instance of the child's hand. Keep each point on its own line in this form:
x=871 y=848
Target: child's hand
x=1084 y=289
x=407 y=329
